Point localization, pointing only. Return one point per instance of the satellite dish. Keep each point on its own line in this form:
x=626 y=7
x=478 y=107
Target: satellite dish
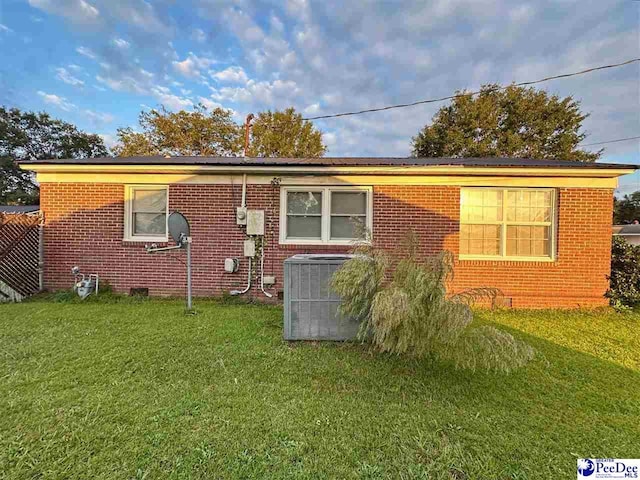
x=178 y=227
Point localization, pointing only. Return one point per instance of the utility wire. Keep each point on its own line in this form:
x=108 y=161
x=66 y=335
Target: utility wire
x=611 y=141
x=500 y=87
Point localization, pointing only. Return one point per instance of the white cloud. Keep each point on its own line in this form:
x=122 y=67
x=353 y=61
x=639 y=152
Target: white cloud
x=139 y=13
x=121 y=43
x=210 y=104
x=56 y=100
x=170 y=100
x=312 y=109
x=329 y=139
x=264 y=93
x=124 y=83
x=64 y=75
x=5 y=29
x=245 y=27
x=109 y=140
x=198 y=35
x=233 y=74
x=276 y=24
x=87 y=52
x=299 y=9
x=98 y=119
x=521 y=14
x=78 y=11
x=192 y=65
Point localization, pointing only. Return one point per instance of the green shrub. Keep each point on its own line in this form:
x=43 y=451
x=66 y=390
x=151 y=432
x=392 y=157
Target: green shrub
x=624 y=288
x=411 y=313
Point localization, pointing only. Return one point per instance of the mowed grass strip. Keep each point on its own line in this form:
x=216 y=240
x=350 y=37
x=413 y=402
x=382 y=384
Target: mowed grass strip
x=141 y=390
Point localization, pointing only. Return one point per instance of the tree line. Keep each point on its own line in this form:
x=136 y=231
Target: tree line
x=510 y=122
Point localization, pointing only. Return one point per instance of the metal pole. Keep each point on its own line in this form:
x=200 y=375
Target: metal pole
x=189 y=303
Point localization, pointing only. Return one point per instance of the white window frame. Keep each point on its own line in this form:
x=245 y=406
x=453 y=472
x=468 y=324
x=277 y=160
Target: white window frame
x=553 y=227
x=325 y=229
x=128 y=214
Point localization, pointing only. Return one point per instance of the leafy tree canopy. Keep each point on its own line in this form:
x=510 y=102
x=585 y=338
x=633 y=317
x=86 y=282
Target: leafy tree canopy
x=285 y=134
x=37 y=136
x=215 y=133
x=626 y=209
x=512 y=122
x=199 y=132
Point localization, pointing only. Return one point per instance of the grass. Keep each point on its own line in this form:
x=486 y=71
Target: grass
x=137 y=389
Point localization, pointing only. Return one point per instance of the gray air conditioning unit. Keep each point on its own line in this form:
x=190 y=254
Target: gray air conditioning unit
x=310 y=307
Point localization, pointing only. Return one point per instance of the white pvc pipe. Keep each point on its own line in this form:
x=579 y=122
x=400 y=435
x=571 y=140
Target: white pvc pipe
x=242 y=292
x=262 y=273
x=244 y=190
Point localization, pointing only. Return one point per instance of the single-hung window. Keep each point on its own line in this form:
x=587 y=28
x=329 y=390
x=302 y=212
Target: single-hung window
x=324 y=215
x=146 y=213
x=507 y=223
x=304 y=215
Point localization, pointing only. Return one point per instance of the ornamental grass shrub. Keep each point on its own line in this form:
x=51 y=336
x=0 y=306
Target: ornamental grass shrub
x=403 y=307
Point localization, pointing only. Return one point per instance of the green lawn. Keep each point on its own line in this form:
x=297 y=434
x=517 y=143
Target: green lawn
x=139 y=390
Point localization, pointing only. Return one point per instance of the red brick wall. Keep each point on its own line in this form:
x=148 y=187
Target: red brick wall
x=84 y=227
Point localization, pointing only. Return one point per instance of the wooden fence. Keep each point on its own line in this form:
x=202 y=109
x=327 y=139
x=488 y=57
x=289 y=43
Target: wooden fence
x=20 y=272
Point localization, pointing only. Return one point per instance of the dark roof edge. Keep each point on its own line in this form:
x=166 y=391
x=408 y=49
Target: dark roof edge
x=332 y=162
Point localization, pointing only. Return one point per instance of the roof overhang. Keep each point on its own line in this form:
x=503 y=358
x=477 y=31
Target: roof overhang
x=449 y=170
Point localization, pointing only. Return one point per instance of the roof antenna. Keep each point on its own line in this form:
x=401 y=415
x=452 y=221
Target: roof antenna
x=247 y=126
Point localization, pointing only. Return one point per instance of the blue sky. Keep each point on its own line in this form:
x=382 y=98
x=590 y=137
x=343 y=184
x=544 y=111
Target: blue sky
x=97 y=63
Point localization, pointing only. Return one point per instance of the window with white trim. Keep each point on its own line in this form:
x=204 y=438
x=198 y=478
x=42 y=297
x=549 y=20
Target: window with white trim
x=507 y=223
x=146 y=210
x=324 y=215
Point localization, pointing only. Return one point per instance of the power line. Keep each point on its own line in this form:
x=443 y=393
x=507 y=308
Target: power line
x=611 y=141
x=450 y=97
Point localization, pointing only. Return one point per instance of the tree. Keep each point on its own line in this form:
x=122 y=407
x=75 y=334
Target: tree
x=214 y=133
x=627 y=209
x=285 y=134
x=37 y=136
x=513 y=122
x=199 y=132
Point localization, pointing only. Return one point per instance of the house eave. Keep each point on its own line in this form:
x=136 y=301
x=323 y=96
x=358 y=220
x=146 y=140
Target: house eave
x=449 y=170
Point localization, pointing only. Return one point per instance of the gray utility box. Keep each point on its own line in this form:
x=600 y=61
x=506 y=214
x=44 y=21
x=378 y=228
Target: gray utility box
x=310 y=307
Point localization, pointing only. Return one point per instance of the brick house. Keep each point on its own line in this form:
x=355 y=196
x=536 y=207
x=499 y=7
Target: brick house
x=540 y=230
